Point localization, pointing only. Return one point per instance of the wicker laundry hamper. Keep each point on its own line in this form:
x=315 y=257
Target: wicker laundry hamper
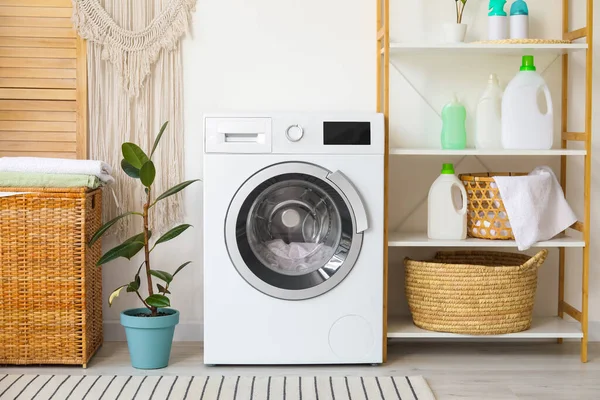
x=473 y=292
x=50 y=287
x=486 y=215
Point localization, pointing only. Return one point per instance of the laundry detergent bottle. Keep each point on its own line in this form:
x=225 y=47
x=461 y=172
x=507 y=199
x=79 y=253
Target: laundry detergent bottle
x=526 y=123
x=447 y=207
x=488 y=122
x=454 y=132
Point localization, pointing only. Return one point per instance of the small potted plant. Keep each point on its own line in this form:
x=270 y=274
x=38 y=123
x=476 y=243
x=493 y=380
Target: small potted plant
x=149 y=329
x=456 y=32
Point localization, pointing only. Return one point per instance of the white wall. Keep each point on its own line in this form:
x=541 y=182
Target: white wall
x=319 y=55
x=257 y=55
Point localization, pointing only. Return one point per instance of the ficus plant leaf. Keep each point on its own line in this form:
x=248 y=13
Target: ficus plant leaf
x=115 y=293
x=106 y=227
x=135 y=285
x=129 y=169
x=134 y=155
x=165 y=276
x=182 y=266
x=158 y=137
x=162 y=289
x=176 y=189
x=158 y=301
x=127 y=249
x=147 y=174
x=173 y=233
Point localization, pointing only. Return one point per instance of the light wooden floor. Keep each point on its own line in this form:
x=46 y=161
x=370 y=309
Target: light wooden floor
x=477 y=371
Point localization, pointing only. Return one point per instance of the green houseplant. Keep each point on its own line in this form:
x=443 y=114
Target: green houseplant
x=455 y=32
x=149 y=329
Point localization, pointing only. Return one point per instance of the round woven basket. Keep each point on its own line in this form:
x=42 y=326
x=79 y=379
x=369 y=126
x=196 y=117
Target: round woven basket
x=473 y=292
x=486 y=215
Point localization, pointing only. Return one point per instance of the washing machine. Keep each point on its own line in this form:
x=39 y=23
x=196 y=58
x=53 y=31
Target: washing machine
x=293 y=238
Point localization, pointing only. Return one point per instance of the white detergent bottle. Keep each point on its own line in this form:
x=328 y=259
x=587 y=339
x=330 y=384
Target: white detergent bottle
x=488 y=122
x=524 y=125
x=447 y=207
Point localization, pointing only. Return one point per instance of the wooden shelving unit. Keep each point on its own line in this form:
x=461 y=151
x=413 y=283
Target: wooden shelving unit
x=541 y=328
x=476 y=152
x=479 y=48
x=577 y=237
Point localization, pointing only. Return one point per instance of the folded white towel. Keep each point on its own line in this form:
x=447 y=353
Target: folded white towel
x=57 y=166
x=536 y=206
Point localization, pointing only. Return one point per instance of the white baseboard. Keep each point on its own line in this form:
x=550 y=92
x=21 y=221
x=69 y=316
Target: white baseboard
x=194 y=332
x=185 y=332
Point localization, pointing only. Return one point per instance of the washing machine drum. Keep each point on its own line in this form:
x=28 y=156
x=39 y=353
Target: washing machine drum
x=293 y=235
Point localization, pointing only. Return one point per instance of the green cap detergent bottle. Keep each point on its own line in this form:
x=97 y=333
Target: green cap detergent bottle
x=527 y=123
x=447 y=207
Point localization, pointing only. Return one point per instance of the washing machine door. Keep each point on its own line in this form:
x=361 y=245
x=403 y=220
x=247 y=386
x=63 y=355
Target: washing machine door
x=294 y=230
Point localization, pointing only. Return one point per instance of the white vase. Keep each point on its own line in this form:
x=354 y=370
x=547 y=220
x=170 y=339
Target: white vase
x=455 y=33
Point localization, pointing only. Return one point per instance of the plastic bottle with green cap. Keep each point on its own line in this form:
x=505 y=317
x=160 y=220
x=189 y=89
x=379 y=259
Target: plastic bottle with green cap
x=519 y=20
x=447 y=207
x=497 y=20
x=527 y=123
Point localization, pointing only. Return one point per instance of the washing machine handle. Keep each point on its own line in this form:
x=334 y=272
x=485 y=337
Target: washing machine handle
x=344 y=185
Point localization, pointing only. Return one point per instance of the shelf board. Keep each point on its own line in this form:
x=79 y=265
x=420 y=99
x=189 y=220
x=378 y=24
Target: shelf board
x=409 y=239
x=480 y=48
x=541 y=328
x=477 y=152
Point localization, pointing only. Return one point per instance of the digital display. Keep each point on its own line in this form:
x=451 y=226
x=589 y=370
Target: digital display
x=346 y=133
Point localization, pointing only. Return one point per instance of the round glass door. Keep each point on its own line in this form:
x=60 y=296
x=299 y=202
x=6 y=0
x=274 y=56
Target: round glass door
x=291 y=233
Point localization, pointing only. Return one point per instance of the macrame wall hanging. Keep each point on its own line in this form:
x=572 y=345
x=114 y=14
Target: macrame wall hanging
x=135 y=84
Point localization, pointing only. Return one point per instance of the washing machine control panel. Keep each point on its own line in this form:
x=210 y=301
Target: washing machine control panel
x=358 y=133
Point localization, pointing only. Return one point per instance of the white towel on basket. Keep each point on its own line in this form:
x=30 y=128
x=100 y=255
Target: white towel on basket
x=57 y=166
x=536 y=206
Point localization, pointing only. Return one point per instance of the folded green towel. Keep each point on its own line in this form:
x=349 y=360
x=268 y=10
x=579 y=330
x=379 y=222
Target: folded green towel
x=30 y=179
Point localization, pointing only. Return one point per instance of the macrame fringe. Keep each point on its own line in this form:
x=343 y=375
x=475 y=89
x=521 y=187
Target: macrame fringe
x=132 y=53
x=132 y=108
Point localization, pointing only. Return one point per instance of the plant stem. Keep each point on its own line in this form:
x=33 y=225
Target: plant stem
x=143 y=301
x=462 y=10
x=147 y=252
x=457 y=12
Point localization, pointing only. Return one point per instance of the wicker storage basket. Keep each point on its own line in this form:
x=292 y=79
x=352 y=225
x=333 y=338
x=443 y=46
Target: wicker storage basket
x=473 y=292
x=50 y=287
x=486 y=215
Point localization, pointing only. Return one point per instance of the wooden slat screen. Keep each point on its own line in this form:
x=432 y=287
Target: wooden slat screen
x=43 y=81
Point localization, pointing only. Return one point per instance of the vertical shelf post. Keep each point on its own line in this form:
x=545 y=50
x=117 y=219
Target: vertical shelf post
x=383 y=105
x=583 y=226
x=588 y=178
x=563 y=159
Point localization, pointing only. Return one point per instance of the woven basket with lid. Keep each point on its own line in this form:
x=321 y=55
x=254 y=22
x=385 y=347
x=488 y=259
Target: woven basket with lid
x=473 y=292
x=50 y=287
x=486 y=215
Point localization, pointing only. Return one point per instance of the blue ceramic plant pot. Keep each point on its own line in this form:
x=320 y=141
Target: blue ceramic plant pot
x=149 y=338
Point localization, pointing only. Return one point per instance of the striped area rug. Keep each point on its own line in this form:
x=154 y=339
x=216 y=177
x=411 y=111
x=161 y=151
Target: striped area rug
x=88 y=387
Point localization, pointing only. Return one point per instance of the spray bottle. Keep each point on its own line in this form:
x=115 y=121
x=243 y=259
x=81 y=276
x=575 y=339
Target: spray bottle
x=519 y=20
x=498 y=21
